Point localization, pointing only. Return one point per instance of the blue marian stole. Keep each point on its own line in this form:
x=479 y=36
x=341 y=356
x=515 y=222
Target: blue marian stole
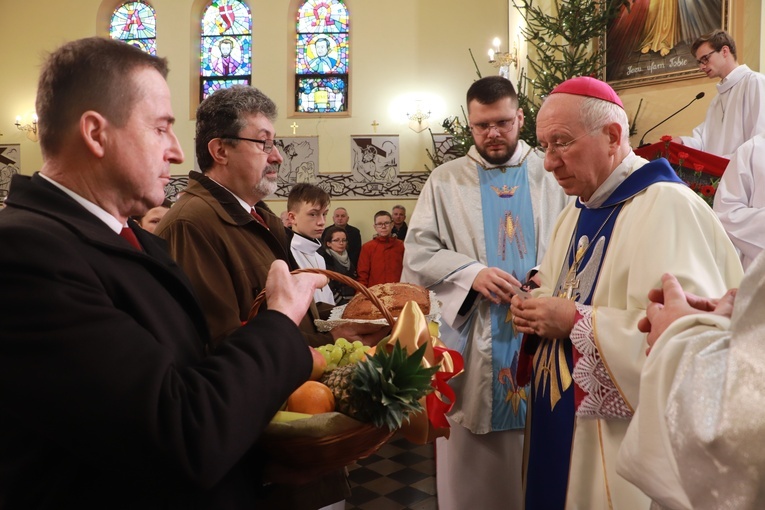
x=552 y=393
x=511 y=246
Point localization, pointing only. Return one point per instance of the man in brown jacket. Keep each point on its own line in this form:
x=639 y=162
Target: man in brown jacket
x=225 y=237
x=220 y=231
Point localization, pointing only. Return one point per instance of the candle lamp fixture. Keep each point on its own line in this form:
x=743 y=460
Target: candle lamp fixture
x=30 y=129
x=501 y=59
x=418 y=121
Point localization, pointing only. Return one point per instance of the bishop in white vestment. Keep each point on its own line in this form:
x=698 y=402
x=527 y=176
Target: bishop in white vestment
x=633 y=222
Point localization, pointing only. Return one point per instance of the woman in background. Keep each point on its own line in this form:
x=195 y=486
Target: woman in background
x=336 y=257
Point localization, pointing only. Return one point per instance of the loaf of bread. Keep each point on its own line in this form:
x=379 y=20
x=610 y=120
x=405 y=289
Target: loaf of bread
x=393 y=295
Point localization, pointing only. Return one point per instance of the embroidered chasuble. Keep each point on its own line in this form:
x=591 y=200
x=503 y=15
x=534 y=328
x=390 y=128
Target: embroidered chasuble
x=555 y=397
x=510 y=246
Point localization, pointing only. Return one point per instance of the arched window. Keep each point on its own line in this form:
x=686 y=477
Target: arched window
x=226 y=46
x=321 y=79
x=136 y=24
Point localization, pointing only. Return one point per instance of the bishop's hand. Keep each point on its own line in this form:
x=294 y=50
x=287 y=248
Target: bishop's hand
x=548 y=317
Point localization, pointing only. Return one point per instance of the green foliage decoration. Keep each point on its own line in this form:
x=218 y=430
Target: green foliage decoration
x=566 y=38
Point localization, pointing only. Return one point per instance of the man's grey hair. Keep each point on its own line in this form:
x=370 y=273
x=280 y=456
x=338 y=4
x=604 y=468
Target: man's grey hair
x=596 y=113
x=223 y=114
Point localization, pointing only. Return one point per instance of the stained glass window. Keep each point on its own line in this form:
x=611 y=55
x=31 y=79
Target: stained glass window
x=136 y=24
x=321 y=68
x=226 y=57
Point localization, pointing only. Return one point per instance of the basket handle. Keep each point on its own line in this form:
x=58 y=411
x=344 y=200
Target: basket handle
x=333 y=276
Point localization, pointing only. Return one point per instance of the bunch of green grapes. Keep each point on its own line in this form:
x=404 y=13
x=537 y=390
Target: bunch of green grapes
x=342 y=353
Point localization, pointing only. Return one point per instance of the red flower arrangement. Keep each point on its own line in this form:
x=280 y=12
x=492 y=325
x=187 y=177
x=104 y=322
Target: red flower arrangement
x=697 y=180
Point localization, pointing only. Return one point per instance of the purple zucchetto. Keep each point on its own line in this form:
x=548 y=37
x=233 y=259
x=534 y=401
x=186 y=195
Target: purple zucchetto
x=589 y=87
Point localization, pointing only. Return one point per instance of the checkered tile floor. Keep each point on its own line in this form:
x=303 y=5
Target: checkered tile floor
x=400 y=476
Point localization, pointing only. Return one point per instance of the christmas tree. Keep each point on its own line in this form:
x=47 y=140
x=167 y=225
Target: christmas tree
x=565 y=39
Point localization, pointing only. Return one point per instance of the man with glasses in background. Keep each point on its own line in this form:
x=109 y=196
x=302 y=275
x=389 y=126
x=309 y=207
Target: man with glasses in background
x=583 y=353
x=735 y=114
x=382 y=258
x=481 y=223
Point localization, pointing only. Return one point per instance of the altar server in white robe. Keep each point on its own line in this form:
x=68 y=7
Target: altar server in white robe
x=737 y=113
x=480 y=224
x=740 y=199
x=698 y=438
x=633 y=221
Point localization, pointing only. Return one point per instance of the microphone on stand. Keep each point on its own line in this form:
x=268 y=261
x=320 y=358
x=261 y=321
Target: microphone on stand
x=698 y=96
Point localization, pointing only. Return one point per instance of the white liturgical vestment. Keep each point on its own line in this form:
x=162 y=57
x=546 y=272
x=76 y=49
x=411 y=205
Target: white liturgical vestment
x=734 y=116
x=698 y=438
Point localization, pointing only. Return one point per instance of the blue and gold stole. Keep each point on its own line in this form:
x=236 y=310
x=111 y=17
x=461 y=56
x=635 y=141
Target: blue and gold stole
x=508 y=221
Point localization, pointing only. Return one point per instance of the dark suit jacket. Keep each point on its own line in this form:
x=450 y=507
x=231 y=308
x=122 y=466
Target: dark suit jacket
x=399 y=233
x=106 y=399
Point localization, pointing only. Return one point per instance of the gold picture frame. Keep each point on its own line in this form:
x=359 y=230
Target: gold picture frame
x=652 y=42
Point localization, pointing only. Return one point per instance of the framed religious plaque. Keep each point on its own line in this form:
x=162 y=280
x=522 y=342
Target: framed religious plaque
x=651 y=43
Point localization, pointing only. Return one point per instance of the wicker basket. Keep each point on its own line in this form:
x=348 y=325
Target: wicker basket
x=335 y=450
x=334 y=276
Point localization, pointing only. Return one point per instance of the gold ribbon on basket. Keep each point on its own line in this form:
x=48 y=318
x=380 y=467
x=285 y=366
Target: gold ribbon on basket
x=412 y=331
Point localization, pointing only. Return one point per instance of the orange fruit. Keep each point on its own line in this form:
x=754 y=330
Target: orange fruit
x=312 y=397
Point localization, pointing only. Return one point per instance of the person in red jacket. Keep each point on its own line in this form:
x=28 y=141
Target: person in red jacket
x=381 y=259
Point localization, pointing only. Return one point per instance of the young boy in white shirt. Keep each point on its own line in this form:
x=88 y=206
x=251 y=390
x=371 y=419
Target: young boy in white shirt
x=307 y=207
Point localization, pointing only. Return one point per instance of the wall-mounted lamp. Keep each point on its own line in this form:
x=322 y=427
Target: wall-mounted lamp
x=29 y=129
x=418 y=121
x=501 y=59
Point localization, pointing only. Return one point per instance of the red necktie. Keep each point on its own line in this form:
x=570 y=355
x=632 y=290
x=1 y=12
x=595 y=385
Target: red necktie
x=258 y=217
x=130 y=237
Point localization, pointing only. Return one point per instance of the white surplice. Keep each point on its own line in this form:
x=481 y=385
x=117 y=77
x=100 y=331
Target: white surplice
x=305 y=252
x=734 y=116
x=740 y=199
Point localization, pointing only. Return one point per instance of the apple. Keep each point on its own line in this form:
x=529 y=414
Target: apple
x=319 y=364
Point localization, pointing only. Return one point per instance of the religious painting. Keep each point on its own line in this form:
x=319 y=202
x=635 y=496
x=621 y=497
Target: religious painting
x=10 y=164
x=374 y=158
x=301 y=159
x=443 y=149
x=651 y=43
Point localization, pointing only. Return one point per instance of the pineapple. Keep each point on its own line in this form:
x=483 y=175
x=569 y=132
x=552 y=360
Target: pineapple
x=383 y=389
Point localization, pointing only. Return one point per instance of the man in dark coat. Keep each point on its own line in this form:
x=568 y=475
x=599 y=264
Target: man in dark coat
x=399 y=228
x=108 y=399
